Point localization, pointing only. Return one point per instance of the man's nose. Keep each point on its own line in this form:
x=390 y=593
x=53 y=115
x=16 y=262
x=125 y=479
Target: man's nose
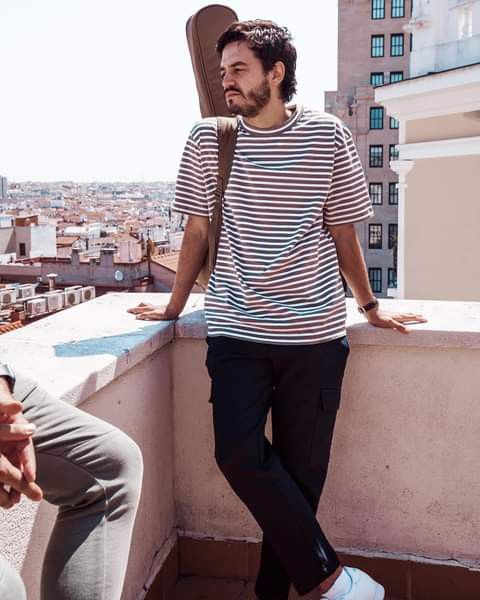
x=227 y=81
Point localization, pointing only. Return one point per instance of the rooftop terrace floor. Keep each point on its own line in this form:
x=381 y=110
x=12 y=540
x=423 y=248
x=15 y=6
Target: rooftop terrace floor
x=207 y=588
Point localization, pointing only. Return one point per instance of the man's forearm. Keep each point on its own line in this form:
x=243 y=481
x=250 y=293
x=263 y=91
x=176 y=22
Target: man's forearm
x=353 y=268
x=192 y=255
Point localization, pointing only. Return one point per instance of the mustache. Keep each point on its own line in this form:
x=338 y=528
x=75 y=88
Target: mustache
x=232 y=90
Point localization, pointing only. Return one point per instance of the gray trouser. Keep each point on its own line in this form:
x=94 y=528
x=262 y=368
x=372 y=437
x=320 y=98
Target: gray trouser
x=93 y=472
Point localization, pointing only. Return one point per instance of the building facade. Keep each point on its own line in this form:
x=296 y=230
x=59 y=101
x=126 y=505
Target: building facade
x=438 y=110
x=373 y=49
x=3 y=188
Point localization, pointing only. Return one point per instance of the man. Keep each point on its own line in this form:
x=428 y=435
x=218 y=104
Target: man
x=275 y=304
x=89 y=469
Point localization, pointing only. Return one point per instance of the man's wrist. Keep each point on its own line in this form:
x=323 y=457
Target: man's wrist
x=369 y=307
x=4 y=385
x=174 y=308
x=8 y=376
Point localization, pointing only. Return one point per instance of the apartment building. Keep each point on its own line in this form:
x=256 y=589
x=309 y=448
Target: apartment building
x=373 y=50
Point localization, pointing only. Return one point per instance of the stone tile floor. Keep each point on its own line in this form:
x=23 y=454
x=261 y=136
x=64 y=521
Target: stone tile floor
x=204 y=588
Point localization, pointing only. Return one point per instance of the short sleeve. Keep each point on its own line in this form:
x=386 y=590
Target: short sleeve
x=348 y=199
x=191 y=186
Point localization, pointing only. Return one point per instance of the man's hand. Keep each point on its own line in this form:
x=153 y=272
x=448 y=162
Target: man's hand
x=150 y=312
x=391 y=320
x=17 y=455
x=13 y=483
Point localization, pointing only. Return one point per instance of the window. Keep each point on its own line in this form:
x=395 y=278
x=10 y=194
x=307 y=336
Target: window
x=378 y=46
x=375 y=236
x=376 y=192
x=392 y=235
x=396 y=76
x=376 y=117
x=398 y=9
x=378 y=9
x=392 y=193
x=22 y=249
x=392 y=278
x=376 y=156
x=376 y=79
x=411 y=42
x=396 y=44
x=394 y=153
x=394 y=124
x=464 y=22
x=375 y=276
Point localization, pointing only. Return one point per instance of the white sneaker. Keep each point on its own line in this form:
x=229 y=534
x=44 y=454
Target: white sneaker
x=362 y=587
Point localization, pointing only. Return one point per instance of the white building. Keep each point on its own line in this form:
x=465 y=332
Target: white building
x=33 y=241
x=439 y=153
x=446 y=35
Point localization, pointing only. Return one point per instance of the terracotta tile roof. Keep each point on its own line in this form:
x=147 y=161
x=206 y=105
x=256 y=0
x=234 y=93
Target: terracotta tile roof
x=168 y=260
x=66 y=240
x=5 y=327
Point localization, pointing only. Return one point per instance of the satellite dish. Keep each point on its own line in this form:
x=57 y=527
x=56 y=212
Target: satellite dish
x=118 y=275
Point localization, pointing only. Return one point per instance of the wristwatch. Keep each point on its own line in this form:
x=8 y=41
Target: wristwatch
x=7 y=372
x=366 y=307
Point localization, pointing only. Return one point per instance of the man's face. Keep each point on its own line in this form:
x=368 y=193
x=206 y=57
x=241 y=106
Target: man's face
x=246 y=87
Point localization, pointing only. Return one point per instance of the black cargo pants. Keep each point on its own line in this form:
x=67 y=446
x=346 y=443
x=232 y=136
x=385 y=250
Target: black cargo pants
x=280 y=483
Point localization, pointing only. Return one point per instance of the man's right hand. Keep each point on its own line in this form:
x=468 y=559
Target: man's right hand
x=150 y=312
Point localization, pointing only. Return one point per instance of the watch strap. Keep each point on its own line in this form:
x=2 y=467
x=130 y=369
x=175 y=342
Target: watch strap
x=366 y=307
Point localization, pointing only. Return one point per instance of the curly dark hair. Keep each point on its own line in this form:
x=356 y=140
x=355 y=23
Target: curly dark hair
x=270 y=43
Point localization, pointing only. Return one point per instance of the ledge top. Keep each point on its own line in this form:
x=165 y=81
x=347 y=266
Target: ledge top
x=77 y=351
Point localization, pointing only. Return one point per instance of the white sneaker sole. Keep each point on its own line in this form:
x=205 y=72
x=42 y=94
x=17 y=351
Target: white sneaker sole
x=379 y=592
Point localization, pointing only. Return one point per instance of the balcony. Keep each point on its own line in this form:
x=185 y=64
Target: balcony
x=402 y=492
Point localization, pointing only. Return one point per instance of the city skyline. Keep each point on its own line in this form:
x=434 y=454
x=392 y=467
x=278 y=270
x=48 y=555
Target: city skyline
x=89 y=98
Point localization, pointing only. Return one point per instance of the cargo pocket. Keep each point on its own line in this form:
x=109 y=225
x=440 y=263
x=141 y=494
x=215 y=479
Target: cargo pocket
x=327 y=407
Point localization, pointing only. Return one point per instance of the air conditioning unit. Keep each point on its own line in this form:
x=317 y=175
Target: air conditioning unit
x=38 y=306
x=55 y=301
x=72 y=297
x=26 y=291
x=87 y=293
x=71 y=288
x=8 y=296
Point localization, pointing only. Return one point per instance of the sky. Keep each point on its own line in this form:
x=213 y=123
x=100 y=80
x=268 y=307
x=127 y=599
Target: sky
x=103 y=90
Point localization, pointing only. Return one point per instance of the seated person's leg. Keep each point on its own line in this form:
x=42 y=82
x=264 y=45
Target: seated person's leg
x=92 y=471
x=11 y=584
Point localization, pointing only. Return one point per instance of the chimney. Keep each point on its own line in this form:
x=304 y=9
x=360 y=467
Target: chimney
x=51 y=281
x=75 y=257
x=106 y=257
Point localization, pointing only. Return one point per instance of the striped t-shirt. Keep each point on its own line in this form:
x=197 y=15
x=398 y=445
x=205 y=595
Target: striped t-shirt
x=277 y=278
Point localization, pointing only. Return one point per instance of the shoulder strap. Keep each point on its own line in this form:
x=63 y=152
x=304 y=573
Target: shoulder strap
x=227 y=137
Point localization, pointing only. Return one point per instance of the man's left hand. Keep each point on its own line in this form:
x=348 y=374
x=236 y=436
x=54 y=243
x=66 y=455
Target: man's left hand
x=391 y=320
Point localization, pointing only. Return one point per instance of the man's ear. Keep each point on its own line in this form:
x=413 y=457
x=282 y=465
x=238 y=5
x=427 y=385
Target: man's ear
x=277 y=73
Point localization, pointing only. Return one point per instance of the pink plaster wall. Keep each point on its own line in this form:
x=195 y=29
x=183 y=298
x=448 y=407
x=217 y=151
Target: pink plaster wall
x=402 y=477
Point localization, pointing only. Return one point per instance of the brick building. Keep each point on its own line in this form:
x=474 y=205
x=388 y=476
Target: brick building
x=373 y=50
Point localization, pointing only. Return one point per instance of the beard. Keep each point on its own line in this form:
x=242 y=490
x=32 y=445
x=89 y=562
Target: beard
x=257 y=98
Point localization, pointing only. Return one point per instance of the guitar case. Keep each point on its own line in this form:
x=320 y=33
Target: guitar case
x=203 y=30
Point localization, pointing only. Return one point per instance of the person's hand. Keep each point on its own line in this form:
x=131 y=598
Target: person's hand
x=13 y=483
x=150 y=312
x=17 y=455
x=392 y=320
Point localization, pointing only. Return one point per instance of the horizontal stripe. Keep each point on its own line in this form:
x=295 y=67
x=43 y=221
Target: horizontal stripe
x=277 y=278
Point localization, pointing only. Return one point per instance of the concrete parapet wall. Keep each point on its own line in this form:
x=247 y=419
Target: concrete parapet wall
x=402 y=479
